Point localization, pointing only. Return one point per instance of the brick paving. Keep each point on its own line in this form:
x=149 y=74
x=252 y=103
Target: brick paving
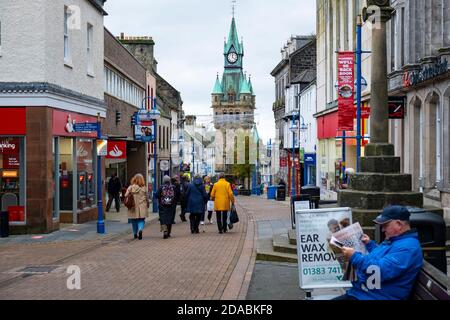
x=200 y=267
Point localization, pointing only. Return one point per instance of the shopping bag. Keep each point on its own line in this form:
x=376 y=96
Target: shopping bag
x=210 y=206
x=234 y=218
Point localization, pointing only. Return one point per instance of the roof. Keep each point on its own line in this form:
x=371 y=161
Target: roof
x=233 y=39
x=98 y=4
x=244 y=87
x=305 y=76
x=217 y=87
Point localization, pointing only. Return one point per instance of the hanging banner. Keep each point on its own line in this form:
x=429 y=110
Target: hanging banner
x=346 y=96
x=317 y=263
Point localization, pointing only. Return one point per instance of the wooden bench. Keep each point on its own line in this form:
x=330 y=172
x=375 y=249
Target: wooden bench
x=432 y=284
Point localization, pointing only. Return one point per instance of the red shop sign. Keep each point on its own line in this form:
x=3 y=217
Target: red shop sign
x=283 y=162
x=64 y=121
x=117 y=150
x=9 y=146
x=13 y=121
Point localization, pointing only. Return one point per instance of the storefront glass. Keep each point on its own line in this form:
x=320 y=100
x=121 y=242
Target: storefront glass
x=12 y=178
x=65 y=174
x=85 y=171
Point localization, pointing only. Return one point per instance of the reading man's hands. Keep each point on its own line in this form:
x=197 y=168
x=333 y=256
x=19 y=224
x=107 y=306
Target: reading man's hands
x=365 y=239
x=348 y=252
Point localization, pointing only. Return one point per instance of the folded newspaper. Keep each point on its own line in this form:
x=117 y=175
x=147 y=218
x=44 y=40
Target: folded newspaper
x=349 y=237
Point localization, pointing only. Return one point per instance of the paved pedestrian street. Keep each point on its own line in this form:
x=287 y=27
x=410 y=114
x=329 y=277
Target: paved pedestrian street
x=202 y=266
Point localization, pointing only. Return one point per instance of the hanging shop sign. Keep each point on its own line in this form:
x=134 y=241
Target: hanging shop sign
x=117 y=150
x=144 y=133
x=164 y=165
x=346 y=96
x=283 y=162
x=102 y=148
x=396 y=108
x=427 y=72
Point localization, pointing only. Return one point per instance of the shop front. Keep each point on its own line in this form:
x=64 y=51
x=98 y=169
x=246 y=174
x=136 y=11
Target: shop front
x=12 y=164
x=75 y=174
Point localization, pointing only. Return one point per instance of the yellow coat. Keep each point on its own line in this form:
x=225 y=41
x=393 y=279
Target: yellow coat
x=222 y=195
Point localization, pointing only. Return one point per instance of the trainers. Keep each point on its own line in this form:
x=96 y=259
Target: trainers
x=202 y=223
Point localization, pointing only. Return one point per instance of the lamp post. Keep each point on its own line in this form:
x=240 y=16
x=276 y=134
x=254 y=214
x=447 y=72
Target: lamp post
x=193 y=158
x=293 y=129
x=155 y=115
x=269 y=147
x=100 y=219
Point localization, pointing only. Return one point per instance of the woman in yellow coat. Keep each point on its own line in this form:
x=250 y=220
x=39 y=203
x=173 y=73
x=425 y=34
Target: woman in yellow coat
x=222 y=195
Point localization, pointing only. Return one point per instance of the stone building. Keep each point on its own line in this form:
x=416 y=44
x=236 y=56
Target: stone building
x=233 y=104
x=125 y=90
x=292 y=74
x=48 y=83
x=419 y=51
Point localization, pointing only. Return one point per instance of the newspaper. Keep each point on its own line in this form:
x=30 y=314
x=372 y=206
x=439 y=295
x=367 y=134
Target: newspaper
x=349 y=237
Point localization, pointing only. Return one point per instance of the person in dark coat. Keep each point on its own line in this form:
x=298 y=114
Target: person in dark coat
x=183 y=199
x=196 y=200
x=167 y=196
x=114 y=189
x=177 y=186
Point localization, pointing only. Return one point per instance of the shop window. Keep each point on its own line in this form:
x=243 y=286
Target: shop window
x=66 y=174
x=85 y=174
x=12 y=178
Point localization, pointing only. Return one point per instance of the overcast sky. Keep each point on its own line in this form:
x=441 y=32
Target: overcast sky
x=189 y=37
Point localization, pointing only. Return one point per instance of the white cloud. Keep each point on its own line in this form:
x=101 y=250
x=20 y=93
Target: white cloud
x=189 y=37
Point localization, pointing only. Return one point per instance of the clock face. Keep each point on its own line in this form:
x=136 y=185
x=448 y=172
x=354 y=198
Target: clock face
x=232 y=57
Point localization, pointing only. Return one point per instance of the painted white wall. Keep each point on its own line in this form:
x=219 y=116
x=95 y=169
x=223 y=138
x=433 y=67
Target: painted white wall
x=308 y=109
x=33 y=45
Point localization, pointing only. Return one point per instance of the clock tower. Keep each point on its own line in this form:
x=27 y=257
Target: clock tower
x=233 y=104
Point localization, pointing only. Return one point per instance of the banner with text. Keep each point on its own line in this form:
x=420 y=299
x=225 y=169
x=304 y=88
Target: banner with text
x=317 y=263
x=346 y=96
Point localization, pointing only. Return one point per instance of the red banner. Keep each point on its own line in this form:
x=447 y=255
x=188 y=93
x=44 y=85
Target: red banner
x=283 y=162
x=117 y=150
x=346 y=96
x=64 y=121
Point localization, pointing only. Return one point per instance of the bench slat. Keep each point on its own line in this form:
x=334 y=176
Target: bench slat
x=435 y=289
x=421 y=293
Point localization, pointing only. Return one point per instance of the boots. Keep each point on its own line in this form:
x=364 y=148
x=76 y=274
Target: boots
x=165 y=230
x=169 y=230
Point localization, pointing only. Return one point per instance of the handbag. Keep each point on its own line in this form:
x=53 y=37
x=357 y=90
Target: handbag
x=129 y=201
x=210 y=206
x=234 y=218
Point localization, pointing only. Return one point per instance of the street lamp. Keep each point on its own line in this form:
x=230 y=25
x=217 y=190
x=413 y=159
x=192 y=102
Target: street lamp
x=293 y=129
x=193 y=158
x=269 y=148
x=155 y=115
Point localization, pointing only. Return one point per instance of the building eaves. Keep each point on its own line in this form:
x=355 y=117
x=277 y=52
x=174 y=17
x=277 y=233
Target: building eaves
x=280 y=66
x=98 y=4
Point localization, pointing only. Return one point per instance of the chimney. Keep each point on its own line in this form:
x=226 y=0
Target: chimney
x=122 y=35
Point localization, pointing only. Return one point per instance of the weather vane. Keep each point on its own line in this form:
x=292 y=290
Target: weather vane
x=234 y=7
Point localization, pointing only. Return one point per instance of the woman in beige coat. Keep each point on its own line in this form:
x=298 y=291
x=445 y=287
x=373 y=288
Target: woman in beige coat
x=139 y=212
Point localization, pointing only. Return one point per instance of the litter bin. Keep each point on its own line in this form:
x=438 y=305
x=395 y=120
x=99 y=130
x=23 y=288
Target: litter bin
x=4 y=224
x=432 y=236
x=314 y=193
x=281 y=193
x=271 y=192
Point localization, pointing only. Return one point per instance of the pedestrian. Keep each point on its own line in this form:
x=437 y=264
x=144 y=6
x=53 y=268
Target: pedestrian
x=196 y=200
x=209 y=205
x=177 y=186
x=167 y=197
x=114 y=189
x=139 y=212
x=183 y=188
x=223 y=197
x=398 y=260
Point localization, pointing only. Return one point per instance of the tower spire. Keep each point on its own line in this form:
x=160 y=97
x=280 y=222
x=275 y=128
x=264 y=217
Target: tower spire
x=234 y=7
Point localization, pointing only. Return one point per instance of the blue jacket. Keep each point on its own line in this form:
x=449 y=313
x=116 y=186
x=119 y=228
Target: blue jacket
x=196 y=197
x=399 y=259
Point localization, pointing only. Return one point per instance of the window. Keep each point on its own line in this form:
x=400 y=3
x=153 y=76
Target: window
x=67 y=56
x=121 y=88
x=90 y=34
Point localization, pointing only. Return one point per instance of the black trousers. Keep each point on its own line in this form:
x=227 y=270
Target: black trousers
x=195 y=221
x=222 y=220
x=116 y=198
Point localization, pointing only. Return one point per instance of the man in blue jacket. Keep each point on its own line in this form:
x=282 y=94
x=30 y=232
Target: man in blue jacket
x=390 y=269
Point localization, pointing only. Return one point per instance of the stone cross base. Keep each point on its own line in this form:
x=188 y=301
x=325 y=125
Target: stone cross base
x=378 y=185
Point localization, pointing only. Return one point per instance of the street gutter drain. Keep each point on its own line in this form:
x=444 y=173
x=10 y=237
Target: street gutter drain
x=38 y=269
